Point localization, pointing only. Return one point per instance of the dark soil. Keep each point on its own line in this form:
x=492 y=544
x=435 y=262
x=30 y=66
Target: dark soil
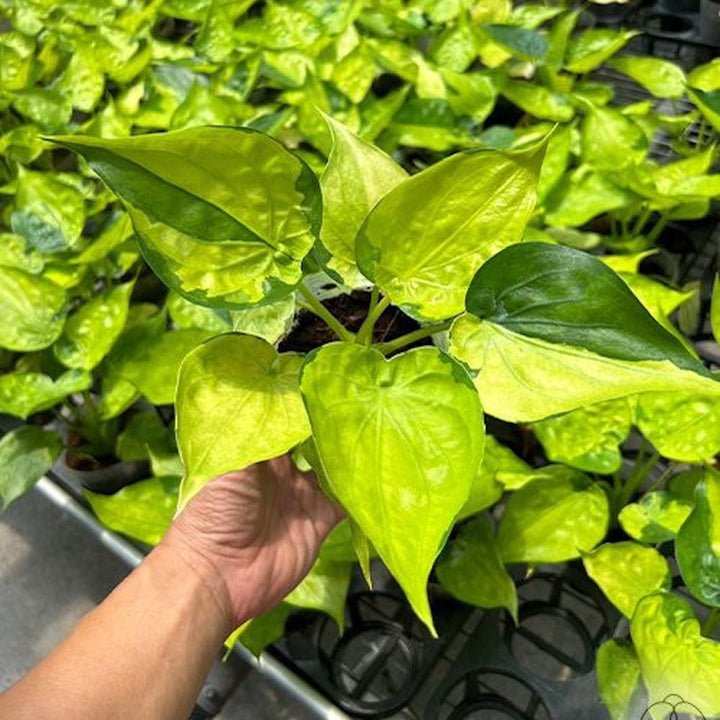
x=311 y=332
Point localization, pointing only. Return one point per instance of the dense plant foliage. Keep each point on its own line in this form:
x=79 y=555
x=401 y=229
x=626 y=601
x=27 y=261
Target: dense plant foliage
x=460 y=164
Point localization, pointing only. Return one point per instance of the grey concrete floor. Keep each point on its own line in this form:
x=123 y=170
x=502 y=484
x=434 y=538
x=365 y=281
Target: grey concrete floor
x=52 y=572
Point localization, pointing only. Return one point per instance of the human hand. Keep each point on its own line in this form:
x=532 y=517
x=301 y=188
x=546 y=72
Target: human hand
x=254 y=534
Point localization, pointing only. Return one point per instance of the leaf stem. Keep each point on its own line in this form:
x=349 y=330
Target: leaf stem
x=317 y=308
x=639 y=474
x=710 y=622
x=641 y=221
x=414 y=336
x=652 y=236
x=364 y=334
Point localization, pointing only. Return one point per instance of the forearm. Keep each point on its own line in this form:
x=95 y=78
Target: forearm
x=143 y=653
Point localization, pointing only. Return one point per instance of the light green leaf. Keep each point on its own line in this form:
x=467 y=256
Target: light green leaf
x=401 y=465
x=49 y=108
x=151 y=365
x=553 y=520
x=588 y=438
x=659 y=300
x=715 y=308
x=618 y=675
x=426 y=238
x=48 y=210
x=16 y=252
x=593 y=47
x=116 y=396
x=611 y=141
x=655 y=518
x=250 y=209
x=84 y=79
x=142 y=511
x=258 y=633
x=470 y=93
x=506 y=467
x=539 y=101
x=456 y=47
x=356 y=177
x=583 y=195
x=229 y=373
x=471 y=569
x=681 y=425
x=523 y=42
x=271 y=321
x=662 y=78
x=558 y=37
x=674 y=657
x=23 y=394
x=556 y=161
x=26 y=454
x=91 y=331
x=32 y=311
x=187 y=314
x=554 y=330
x=115 y=233
x=697 y=545
x=708 y=103
x=705 y=77
x=626 y=572
x=17 y=52
x=145 y=434
x=629 y=264
x=325 y=589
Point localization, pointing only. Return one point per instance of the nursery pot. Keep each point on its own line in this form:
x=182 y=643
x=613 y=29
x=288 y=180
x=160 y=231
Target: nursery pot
x=105 y=480
x=669 y=26
x=609 y=13
x=710 y=22
x=680 y=6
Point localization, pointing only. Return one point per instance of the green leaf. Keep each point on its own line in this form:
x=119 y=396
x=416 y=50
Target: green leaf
x=401 y=466
x=708 y=103
x=697 y=545
x=618 y=675
x=471 y=569
x=662 y=78
x=325 y=589
x=505 y=467
x=216 y=380
x=556 y=161
x=553 y=520
x=626 y=572
x=84 y=79
x=705 y=77
x=16 y=252
x=553 y=329
x=92 y=330
x=152 y=364
x=23 y=394
x=583 y=195
x=527 y=44
x=558 y=37
x=48 y=107
x=32 y=311
x=588 y=438
x=250 y=209
x=426 y=238
x=26 y=454
x=456 y=47
x=48 y=210
x=258 y=633
x=143 y=436
x=116 y=396
x=142 y=511
x=187 y=314
x=674 y=657
x=715 y=308
x=539 y=101
x=612 y=141
x=270 y=321
x=682 y=426
x=593 y=47
x=655 y=518
x=356 y=177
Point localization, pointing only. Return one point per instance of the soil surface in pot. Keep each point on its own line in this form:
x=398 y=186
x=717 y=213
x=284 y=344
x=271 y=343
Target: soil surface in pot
x=311 y=332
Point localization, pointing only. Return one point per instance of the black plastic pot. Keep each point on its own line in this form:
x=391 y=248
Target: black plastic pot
x=680 y=6
x=105 y=480
x=710 y=22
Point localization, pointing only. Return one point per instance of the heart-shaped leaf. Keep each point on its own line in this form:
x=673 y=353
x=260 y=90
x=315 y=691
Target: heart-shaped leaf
x=674 y=657
x=424 y=241
x=400 y=443
x=626 y=572
x=552 y=329
x=22 y=394
x=655 y=518
x=697 y=546
x=238 y=402
x=471 y=569
x=618 y=675
x=224 y=215
x=553 y=519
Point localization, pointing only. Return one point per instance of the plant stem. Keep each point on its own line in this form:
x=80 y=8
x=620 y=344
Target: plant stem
x=641 y=221
x=366 y=329
x=414 y=336
x=317 y=308
x=652 y=236
x=710 y=622
x=639 y=474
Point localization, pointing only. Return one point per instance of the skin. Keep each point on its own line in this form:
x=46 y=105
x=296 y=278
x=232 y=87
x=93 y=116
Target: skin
x=242 y=544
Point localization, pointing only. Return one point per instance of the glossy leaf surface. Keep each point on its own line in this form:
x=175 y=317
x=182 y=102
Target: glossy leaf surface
x=224 y=216
x=662 y=78
x=674 y=657
x=238 y=402
x=400 y=444
x=325 y=589
x=618 y=675
x=655 y=518
x=553 y=520
x=357 y=175
x=92 y=330
x=611 y=141
x=22 y=394
x=626 y=572
x=592 y=47
x=471 y=569
x=423 y=242
x=697 y=545
x=32 y=311
x=26 y=454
